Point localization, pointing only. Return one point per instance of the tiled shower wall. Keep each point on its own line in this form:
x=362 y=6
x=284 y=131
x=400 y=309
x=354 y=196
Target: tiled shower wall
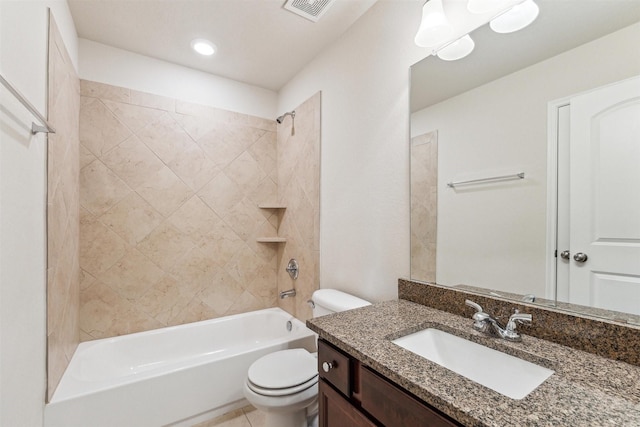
x=63 y=270
x=299 y=191
x=424 y=206
x=169 y=217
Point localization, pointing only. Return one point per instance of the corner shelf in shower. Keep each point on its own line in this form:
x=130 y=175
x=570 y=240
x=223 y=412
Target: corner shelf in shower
x=272 y=206
x=271 y=240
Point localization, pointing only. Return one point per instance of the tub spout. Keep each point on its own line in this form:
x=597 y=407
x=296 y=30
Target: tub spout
x=287 y=294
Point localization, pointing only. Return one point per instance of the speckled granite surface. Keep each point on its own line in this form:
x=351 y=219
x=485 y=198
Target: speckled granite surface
x=585 y=390
x=603 y=337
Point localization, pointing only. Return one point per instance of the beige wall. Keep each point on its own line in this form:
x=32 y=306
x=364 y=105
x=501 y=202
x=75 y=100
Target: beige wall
x=169 y=195
x=63 y=268
x=299 y=191
x=424 y=205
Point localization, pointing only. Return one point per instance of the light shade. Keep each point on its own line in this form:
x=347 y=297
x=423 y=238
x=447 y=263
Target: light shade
x=203 y=47
x=434 y=28
x=484 y=6
x=458 y=49
x=516 y=18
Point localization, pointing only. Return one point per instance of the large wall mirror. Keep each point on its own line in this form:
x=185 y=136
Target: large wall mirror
x=506 y=112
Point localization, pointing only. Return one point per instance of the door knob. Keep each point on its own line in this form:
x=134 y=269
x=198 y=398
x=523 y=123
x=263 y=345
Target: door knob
x=580 y=257
x=565 y=254
x=327 y=366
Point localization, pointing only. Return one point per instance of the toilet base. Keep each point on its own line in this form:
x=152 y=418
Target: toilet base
x=286 y=419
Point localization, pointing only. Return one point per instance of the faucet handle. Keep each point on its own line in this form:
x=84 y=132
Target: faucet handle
x=474 y=305
x=520 y=317
x=512 y=325
x=479 y=316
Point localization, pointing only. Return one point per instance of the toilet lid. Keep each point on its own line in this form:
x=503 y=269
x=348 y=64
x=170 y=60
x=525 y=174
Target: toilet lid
x=283 y=369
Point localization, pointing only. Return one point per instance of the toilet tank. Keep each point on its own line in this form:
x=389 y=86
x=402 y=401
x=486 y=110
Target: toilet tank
x=327 y=301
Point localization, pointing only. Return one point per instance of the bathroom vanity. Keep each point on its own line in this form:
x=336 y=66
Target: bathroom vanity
x=367 y=380
x=349 y=390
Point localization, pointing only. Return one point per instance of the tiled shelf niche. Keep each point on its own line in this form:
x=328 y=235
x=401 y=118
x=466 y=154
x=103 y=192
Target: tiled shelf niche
x=279 y=208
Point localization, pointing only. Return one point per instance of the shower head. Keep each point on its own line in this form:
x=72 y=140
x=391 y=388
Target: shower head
x=288 y=113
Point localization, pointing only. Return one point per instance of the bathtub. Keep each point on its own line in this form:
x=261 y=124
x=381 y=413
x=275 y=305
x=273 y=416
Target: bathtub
x=175 y=376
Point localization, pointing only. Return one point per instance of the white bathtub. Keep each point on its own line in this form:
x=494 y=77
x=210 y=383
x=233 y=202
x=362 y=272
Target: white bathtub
x=172 y=376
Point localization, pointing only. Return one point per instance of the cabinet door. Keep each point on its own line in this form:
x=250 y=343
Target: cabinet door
x=392 y=407
x=336 y=411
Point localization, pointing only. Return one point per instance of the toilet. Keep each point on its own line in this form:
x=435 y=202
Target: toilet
x=284 y=384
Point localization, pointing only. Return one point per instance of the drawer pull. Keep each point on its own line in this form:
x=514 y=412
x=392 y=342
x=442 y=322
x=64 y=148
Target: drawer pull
x=327 y=366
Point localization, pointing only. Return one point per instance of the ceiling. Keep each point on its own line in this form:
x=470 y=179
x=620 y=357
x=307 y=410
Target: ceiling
x=561 y=25
x=259 y=42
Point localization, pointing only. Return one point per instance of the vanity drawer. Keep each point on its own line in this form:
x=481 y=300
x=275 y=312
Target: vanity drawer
x=335 y=367
x=394 y=407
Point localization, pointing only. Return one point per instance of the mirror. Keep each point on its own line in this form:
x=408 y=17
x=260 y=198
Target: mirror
x=488 y=115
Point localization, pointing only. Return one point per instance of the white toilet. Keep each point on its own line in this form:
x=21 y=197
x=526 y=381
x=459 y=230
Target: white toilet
x=284 y=384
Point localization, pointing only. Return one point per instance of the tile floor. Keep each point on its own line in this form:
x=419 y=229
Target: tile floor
x=243 y=417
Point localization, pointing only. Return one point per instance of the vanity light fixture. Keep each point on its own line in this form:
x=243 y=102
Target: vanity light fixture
x=452 y=41
x=516 y=18
x=203 y=47
x=434 y=27
x=457 y=50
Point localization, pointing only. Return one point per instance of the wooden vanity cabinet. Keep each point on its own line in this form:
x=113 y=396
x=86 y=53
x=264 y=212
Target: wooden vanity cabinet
x=353 y=395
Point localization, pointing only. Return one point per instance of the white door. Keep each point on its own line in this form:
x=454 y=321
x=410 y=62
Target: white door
x=604 y=263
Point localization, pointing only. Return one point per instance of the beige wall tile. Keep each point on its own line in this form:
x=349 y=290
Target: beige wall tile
x=244 y=218
x=63 y=164
x=298 y=164
x=195 y=219
x=221 y=243
x=194 y=270
x=265 y=153
x=244 y=303
x=221 y=194
x=100 y=130
x=100 y=247
x=164 y=245
x=152 y=101
x=424 y=176
x=104 y=91
x=194 y=167
x=220 y=146
x=196 y=126
x=100 y=188
x=132 y=275
x=132 y=218
x=222 y=292
x=133 y=162
x=134 y=117
x=165 y=138
x=164 y=300
x=165 y=191
x=86 y=156
x=179 y=245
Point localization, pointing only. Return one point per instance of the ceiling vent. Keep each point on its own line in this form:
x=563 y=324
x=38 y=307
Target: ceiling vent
x=309 y=9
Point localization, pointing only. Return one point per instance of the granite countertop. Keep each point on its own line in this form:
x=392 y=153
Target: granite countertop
x=585 y=390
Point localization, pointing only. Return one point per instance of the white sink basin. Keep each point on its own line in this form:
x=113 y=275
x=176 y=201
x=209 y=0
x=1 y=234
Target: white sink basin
x=506 y=374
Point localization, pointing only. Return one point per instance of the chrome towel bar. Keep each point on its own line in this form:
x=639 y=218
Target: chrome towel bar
x=487 y=180
x=35 y=128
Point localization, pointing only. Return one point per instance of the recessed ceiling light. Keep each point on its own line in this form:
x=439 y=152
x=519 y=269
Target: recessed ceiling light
x=203 y=47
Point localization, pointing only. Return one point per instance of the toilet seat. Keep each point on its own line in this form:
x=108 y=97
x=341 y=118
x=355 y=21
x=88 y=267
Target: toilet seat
x=283 y=373
x=283 y=391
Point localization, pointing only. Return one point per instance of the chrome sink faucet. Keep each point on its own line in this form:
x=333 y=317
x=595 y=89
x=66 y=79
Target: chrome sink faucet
x=487 y=324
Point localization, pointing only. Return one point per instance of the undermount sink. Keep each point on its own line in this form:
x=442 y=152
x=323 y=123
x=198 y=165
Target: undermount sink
x=501 y=372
